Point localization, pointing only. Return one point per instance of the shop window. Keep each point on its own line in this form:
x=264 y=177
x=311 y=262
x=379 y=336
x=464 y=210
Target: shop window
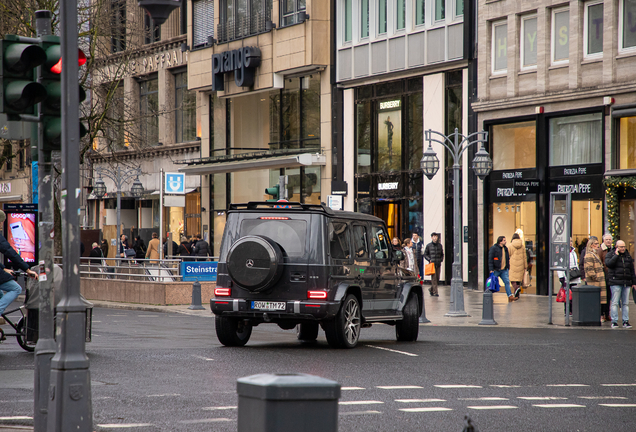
x=149 y=110
x=348 y=20
x=627 y=224
x=339 y=243
x=627 y=142
x=454 y=102
x=529 y=42
x=514 y=146
x=202 y=22
x=243 y=18
x=420 y=12
x=414 y=128
x=576 y=140
x=499 y=47
x=364 y=124
x=587 y=220
x=185 y=109
x=118 y=26
x=593 y=30
x=560 y=36
x=382 y=16
x=364 y=19
x=291 y=8
x=152 y=32
x=400 y=14
x=440 y=10
x=627 y=25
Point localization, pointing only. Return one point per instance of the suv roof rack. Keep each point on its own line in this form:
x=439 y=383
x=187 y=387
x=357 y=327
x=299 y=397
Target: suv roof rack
x=255 y=205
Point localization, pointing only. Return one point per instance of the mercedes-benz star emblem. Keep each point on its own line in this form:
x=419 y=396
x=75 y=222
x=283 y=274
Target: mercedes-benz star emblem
x=249 y=263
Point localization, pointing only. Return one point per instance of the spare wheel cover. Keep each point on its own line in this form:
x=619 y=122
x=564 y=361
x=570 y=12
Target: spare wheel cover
x=255 y=262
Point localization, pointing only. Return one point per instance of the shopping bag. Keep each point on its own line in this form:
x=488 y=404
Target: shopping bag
x=492 y=283
x=561 y=295
x=526 y=279
x=429 y=269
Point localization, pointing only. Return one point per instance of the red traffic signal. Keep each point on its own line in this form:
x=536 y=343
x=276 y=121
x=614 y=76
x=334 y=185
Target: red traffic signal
x=54 y=59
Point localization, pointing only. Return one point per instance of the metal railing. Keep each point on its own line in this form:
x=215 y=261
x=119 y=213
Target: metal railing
x=243 y=26
x=134 y=269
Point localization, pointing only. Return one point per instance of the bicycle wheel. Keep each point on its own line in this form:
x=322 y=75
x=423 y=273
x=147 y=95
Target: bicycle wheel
x=22 y=337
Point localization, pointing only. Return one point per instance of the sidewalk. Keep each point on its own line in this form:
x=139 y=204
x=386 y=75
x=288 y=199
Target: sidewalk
x=530 y=311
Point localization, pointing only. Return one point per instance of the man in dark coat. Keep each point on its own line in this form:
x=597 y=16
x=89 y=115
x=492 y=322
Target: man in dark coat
x=96 y=255
x=9 y=288
x=175 y=247
x=499 y=264
x=434 y=253
x=201 y=248
x=621 y=279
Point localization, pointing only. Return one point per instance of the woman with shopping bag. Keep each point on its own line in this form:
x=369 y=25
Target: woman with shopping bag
x=434 y=254
x=518 y=263
x=575 y=277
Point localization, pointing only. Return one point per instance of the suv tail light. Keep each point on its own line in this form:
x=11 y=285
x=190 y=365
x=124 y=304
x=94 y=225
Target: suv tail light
x=317 y=295
x=222 y=292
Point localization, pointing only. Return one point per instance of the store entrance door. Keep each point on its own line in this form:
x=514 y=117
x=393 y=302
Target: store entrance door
x=391 y=213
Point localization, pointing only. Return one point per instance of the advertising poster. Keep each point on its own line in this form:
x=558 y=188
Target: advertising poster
x=390 y=135
x=21 y=234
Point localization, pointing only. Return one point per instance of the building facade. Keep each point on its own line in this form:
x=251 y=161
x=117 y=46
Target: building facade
x=262 y=73
x=402 y=69
x=150 y=122
x=557 y=94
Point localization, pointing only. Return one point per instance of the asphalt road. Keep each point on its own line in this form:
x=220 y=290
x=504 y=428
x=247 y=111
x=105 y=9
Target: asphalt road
x=167 y=372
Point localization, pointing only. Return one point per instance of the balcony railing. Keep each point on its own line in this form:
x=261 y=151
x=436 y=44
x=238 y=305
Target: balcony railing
x=245 y=26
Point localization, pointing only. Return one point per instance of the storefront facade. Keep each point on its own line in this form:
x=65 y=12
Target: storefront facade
x=555 y=118
x=264 y=99
x=402 y=70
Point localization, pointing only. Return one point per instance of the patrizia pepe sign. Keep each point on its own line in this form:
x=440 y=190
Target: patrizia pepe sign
x=243 y=62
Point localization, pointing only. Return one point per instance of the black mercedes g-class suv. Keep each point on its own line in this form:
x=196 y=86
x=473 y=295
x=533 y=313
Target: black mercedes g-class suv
x=306 y=265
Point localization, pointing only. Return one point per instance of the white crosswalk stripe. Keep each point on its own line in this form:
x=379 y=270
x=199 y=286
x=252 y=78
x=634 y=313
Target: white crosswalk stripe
x=558 y=406
x=358 y=413
x=352 y=388
x=419 y=400
x=367 y=402
x=456 y=386
x=425 y=409
x=404 y=387
x=619 y=405
x=541 y=398
x=492 y=407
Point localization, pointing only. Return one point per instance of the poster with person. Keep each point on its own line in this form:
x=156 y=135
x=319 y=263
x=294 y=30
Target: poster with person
x=390 y=135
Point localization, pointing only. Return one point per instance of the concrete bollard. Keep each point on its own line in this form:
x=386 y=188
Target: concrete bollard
x=487 y=317
x=287 y=403
x=196 y=297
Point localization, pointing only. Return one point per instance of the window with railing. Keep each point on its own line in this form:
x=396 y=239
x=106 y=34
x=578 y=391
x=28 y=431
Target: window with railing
x=149 y=110
x=185 y=109
x=202 y=22
x=290 y=11
x=243 y=18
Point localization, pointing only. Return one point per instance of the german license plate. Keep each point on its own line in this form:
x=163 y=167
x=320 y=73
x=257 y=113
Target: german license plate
x=270 y=306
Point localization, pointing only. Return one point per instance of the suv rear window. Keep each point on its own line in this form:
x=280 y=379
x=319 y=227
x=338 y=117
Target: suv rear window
x=289 y=234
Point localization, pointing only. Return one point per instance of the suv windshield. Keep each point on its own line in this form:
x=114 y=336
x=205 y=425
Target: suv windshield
x=289 y=234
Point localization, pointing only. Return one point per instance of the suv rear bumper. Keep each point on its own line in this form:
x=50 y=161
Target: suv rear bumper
x=241 y=308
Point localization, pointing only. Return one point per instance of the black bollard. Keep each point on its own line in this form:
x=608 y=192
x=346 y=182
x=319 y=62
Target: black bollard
x=487 y=317
x=423 y=319
x=196 y=297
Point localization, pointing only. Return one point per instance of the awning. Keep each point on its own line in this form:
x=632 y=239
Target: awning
x=290 y=161
x=7 y=198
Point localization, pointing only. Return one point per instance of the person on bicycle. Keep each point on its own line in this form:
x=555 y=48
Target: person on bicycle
x=9 y=288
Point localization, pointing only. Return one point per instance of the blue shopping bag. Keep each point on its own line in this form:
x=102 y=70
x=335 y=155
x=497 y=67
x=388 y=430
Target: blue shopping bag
x=492 y=283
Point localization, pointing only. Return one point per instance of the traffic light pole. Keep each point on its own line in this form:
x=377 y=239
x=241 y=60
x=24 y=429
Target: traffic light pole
x=45 y=347
x=70 y=407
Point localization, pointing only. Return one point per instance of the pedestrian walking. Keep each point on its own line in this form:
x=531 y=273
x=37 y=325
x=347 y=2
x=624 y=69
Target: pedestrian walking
x=153 y=248
x=104 y=247
x=594 y=272
x=184 y=249
x=175 y=248
x=518 y=263
x=410 y=261
x=395 y=244
x=574 y=278
x=606 y=246
x=418 y=248
x=96 y=255
x=499 y=264
x=140 y=248
x=621 y=278
x=201 y=248
x=434 y=253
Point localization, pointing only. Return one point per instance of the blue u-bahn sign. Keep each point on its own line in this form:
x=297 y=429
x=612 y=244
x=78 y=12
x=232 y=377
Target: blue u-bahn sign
x=202 y=271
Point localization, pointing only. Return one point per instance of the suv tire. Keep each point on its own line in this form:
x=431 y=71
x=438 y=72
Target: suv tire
x=232 y=331
x=407 y=330
x=255 y=263
x=307 y=332
x=344 y=330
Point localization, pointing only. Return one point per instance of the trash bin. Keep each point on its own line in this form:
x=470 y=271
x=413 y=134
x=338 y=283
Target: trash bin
x=287 y=403
x=586 y=305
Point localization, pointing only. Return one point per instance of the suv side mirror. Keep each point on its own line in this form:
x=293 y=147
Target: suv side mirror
x=398 y=256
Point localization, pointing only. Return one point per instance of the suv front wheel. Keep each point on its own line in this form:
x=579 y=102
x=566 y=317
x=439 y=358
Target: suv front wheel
x=232 y=331
x=344 y=330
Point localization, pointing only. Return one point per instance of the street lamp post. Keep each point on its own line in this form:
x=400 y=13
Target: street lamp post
x=119 y=177
x=456 y=144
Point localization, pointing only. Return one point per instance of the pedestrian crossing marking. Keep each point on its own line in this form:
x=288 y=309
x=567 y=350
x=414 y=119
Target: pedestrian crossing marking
x=124 y=425
x=483 y=399
x=358 y=413
x=369 y=402
x=492 y=407
x=211 y=420
x=352 y=388
x=419 y=400
x=392 y=350
x=559 y=406
x=404 y=387
x=618 y=385
x=601 y=397
x=504 y=386
x=541 y=398
x=425 y=409
x=567 y=385
x=619 y=405
x=456 y=386
x=17 y=417
x=219 y=408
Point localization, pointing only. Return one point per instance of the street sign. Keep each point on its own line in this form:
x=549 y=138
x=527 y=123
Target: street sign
x=175 y=183
x=199 y=271
x=559 y=228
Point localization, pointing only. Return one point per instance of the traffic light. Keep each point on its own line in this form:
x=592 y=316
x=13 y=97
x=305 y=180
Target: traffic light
x=19 y=91
x=51 y=111
x=274 y=191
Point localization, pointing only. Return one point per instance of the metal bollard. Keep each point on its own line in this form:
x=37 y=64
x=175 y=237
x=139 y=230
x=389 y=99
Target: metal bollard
x=196 y=297
x=287 y=403
x=487 y=317
x=423 y=319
